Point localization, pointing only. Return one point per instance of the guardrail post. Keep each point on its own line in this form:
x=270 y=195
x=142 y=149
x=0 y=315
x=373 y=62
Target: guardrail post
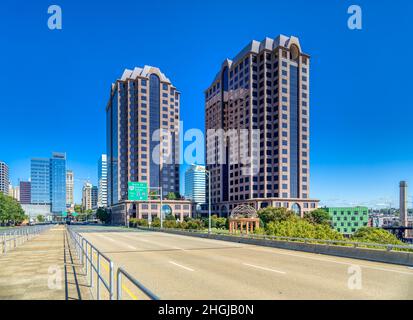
x=119 y=286
x=4 y=243
x=98 y=279
x=82 y=251
x=91 y=266
x=86 y=262
x=111 y=281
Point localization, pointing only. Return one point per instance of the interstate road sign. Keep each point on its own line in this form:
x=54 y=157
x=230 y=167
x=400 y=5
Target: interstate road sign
x=137 y=191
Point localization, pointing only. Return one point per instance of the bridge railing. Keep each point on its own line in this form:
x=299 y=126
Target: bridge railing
x=121 y=272
x=10 y=239
x=355 y=244
x=92 y=260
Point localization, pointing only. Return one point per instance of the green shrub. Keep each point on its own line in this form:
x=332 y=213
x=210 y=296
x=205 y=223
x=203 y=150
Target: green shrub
x=156 y=222
x=375 y=235
x=271 y=214
x=170 y=224
x=142 y=222
x=318 y=216
x=299 y=228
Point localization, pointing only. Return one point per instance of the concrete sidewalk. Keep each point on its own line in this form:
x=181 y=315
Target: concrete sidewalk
x=44 y=268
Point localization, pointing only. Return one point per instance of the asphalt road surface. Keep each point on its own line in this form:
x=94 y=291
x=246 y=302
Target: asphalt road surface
x=181 y=267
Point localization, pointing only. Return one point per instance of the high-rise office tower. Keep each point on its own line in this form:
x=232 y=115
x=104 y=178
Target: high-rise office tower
x=87 y=196
x=102 y=181
x=4 y=178
x=70 y=185
x=58 y=182
x=94 y=195
x=142 y=133
x=264 y=89
x=48 y=182
x=195 y=184
x=40 y=180
x=25 y=192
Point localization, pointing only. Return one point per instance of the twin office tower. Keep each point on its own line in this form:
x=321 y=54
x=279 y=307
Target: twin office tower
x=265 y=89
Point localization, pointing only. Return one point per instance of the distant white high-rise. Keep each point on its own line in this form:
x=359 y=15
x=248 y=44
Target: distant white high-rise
x=4 y=178
x=103 y=181
x=87 y=196
x=195 y=184
x=69 y=187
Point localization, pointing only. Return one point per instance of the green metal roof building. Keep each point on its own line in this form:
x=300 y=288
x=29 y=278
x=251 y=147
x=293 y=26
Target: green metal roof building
x=349 y=220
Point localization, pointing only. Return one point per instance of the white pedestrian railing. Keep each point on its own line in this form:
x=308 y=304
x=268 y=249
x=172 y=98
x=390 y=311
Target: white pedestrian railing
x=10 y=239
x=95 y=263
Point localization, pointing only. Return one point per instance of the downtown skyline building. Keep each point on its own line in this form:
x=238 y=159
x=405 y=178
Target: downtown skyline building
x=142 y=133
x=25 y=192
x=264 y=90
x=95 y=196
x=102 y=181
x=48 y=182
x=195 y=184
x=70 y=186
x=87 y=196
x=4 y=178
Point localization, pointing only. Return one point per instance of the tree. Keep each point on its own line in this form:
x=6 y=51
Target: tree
x=40 y=218
x=271 y=214
x=374 y=235
x=171 y=196
x=78 y=208
x=103 y=215
x=153 y=195
x=11 y=211
x=318 y=216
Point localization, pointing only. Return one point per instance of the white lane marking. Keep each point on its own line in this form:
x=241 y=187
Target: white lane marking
x=263 y=268
x=181 y=266
x=119 y=242
x=154 y=242
x=330 y=260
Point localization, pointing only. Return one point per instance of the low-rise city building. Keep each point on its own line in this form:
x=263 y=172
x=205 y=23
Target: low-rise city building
x=122 y=212
x=348 y=220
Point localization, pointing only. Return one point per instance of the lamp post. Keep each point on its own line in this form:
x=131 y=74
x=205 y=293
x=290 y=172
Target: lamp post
x=209 y=200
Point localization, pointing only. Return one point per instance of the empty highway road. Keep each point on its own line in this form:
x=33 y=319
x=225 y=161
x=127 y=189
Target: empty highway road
x=180 y=267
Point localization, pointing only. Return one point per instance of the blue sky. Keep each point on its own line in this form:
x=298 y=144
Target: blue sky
x=55 y=84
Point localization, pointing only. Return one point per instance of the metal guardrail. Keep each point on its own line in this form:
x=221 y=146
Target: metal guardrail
x=121 y=272
x=355 y=244
x=86 y=252
x=15 y=237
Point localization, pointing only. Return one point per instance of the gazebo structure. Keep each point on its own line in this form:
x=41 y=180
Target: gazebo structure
x=243 y=218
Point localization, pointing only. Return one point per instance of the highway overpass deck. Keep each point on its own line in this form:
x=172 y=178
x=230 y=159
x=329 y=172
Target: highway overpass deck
x=182 y=267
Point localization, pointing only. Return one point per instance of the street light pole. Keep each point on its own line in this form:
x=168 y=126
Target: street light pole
x=209 y=201
x=161 y=207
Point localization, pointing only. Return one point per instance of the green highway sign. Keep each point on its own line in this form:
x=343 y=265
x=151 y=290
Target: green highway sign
x=137 y=191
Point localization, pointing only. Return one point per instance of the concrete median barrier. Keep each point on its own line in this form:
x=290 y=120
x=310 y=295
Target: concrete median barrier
x=378 y=255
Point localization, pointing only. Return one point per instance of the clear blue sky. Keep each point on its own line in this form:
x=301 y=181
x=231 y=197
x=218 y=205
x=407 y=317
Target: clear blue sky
x=55 y=84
